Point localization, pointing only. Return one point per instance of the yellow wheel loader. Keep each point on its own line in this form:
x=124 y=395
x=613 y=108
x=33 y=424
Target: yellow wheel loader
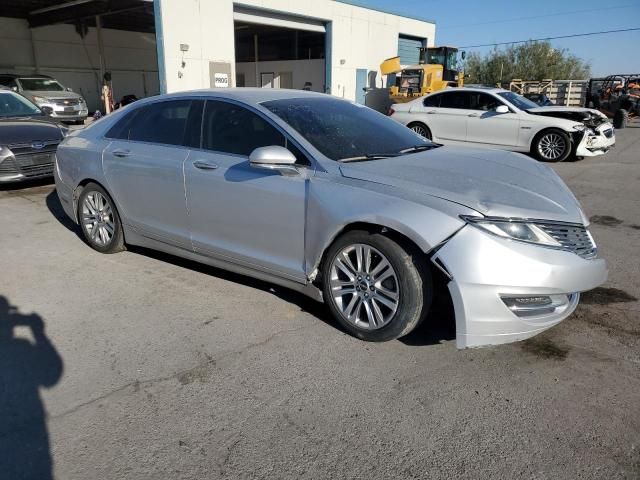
x=437 y=70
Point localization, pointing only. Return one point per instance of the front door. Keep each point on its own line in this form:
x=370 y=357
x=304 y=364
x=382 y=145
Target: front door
x=238 y=213
x=143 y=166
x=487 y=127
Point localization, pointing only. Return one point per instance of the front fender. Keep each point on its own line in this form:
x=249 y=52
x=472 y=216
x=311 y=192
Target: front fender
x=334 y=204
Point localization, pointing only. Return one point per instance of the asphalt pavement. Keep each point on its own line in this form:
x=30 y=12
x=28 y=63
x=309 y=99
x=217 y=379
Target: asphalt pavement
x=144 y=366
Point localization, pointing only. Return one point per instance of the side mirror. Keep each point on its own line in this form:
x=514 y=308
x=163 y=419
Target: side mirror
x=274 y=157
x=47 y=110
x=69 y=89
x=502 y=109
x=14 y=88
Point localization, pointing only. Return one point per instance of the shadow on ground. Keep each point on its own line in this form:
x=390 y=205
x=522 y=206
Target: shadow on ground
x=438 y=326
x=24 y=185
x=25 y=367
x=55 y=207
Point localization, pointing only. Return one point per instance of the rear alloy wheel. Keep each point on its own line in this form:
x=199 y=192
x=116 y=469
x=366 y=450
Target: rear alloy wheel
x=552 y=146
x=421 y=130
x=374 y=287
x=621 y=118
x=99 y=220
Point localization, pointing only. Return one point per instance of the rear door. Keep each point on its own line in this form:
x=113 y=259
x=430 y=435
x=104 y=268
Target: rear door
x=446 y=115
x=143 y=166
x=487 y=127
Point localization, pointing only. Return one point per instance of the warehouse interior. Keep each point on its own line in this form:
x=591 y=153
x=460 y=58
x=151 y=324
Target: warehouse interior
x=276 y=57
x=77 y=41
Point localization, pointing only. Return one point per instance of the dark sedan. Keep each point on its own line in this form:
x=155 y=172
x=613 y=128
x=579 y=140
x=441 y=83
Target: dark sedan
x=28 y=139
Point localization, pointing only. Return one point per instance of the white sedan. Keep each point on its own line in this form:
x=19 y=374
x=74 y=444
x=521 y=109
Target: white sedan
x=497 y=118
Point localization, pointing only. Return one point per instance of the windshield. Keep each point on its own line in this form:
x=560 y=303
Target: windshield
x=342 y=130
x=14 y=105
x=518 y=100
x=41 y=84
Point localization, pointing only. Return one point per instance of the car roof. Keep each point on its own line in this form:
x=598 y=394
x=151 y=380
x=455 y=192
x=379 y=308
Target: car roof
x=31 y=75
x=473 y=89
x=250 y=95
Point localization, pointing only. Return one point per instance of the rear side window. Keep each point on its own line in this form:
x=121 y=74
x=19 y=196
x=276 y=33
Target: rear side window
x=230 y=128
x=120 y=130
x=432 y=101
x=455 y=100
x=162 y=122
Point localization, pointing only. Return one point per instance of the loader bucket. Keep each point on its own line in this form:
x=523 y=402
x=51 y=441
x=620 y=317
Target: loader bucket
x=390 y=65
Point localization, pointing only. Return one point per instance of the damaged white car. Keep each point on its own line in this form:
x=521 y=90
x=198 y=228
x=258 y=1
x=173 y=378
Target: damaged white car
x=497 y=118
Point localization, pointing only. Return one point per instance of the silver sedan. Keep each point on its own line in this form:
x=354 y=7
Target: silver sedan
x=332 y=199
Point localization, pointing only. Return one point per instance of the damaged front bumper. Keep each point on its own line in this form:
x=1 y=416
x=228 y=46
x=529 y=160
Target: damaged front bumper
x=595 y=141
x=504 y=291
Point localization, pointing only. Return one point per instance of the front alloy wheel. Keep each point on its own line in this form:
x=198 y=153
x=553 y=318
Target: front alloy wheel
x=553 y=146
x=378 y=289
x=364 y=286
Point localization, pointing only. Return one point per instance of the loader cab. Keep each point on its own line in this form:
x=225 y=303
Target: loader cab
x=445 y=56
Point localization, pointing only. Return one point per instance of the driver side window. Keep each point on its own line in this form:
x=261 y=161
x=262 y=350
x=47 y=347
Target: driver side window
x=230 y=128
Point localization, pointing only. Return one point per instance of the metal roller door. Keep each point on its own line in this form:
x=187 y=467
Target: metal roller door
x=408 y=49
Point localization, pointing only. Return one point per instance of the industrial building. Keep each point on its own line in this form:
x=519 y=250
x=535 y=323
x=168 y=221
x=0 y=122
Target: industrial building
x=151 y=47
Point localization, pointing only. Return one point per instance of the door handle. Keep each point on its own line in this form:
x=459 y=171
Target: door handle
x=121 y=153
x=202 y=165
x=430 y=111
x=474 y=115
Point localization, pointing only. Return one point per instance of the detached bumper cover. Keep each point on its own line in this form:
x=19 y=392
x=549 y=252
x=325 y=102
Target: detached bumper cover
x=597 y=141
x=486 y=269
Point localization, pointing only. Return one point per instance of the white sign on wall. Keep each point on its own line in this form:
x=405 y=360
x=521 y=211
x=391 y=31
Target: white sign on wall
x=221 y=80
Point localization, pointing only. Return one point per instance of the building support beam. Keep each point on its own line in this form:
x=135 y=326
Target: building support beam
x=255 y=55
x=34 y=52
x=103 y=62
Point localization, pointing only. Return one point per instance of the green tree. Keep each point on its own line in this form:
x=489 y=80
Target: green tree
x=527 y=61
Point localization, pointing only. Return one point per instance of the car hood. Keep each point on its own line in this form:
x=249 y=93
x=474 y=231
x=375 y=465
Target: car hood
x=18 y=131
x=51 y=94
x=587 y=116
x=492 y=182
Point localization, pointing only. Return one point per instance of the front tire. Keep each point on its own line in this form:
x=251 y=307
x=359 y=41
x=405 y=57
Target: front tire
x=552 y=145
x=376 y=288
x=99 y=220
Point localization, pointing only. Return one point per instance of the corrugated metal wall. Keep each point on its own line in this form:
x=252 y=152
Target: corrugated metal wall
x=408 y=49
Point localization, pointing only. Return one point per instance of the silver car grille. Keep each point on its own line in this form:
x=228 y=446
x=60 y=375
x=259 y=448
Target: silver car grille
x=573 y=238
x=65 y=102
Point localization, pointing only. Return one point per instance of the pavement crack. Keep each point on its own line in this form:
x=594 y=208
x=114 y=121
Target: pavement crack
x=183 y=376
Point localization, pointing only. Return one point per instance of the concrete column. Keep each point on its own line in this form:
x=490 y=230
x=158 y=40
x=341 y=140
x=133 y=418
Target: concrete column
x=255 y=57
x=34 y=52
x=103 y=63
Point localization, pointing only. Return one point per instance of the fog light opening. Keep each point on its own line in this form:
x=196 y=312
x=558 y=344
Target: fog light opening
x=533 y=305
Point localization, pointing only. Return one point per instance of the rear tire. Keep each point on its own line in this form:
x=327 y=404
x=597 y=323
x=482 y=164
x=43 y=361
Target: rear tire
x=421 y=129
x=377 y=288
x=99 y=220
x=552 y=145
x=621 y=118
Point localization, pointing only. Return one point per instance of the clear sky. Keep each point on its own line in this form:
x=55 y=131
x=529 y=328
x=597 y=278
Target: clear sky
x=473 y=22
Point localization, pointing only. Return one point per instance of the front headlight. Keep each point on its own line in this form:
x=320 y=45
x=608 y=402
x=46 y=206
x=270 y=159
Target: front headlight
x=39 y=100
x=82 y=100
x=64 y=131
x=520 y=230
x=579 y=128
